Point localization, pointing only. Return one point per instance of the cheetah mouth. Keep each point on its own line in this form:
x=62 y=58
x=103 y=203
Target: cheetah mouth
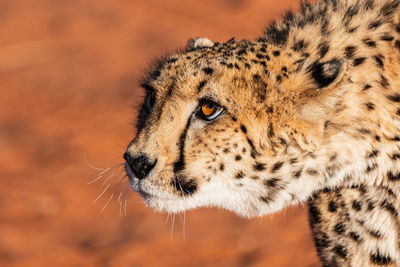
x=136 y=185
x=133 y=180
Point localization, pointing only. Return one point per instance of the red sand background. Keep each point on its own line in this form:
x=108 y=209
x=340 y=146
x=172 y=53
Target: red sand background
x=68 y=85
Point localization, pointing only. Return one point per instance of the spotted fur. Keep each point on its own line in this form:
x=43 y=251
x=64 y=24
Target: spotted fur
x=311 y=112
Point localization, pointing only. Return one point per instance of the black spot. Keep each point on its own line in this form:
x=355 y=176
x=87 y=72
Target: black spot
x=253 y=152
x=278 y=78
x=369 y=4
x=276 y=53
x=299 y=45
x=387 y=38
x=340 y=228
x=312 y=172
x=394 y=97
x=297 y=174
x=201 y=85
x=208 y=70
x=356 y=205
x=332 y=206
x=374 y=24
x=266 y=199
x=358 y=61
x=234 y=118
x=389 y=8
x=324 y=27
x=355 y=236
x=323 y=49
x=171 y=60
x=395 y=156
x=378 y=59
x=371 y=167
x=397 y=44
x=238 y=157
x=371 y=205
x=276 y=166
x=271 y=182
x=373 y=154
x=351 y=12
x=379 y=259
x=321 y=241
x=314 y=214
x=389 y=207
x=395 y=138
x=243 y=128
x=369 y=42
x=370 y=106
x=340 y=251
x=259 y=166
x=325 y=73
x=350 y=51
x=270 y=130
x=221 y=167
x=259 y=56
x=239 y=175
x=241 y=52
x=226 y=150
x=384 y=82
x=366 y=87
x=374 y=233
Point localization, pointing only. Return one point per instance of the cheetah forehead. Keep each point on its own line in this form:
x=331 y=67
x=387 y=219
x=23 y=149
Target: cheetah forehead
x=257 y=70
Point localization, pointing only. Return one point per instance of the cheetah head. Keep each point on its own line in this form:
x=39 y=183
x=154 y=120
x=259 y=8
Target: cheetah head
x=244 y=126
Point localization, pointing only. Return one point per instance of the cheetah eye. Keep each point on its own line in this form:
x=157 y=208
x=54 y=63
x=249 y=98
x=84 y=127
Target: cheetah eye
x=209 y=110
x=150 y=100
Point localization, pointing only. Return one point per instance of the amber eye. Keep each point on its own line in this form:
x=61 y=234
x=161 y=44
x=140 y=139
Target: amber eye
x=210 y=111
x=207 y=109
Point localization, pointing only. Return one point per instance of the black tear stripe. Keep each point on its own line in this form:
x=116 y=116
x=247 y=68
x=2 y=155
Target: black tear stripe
x=180 y=163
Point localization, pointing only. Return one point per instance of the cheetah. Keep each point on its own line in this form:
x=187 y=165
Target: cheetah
x=309 y=112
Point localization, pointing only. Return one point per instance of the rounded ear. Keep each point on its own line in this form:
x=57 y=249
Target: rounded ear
x=326 y=73
x=198 y=43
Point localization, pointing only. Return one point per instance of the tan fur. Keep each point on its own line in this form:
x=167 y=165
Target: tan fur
x=311 y=112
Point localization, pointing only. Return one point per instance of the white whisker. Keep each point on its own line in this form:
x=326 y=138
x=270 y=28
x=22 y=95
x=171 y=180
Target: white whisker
x=105 y=206
x=184 y=226
x=113 y=175
x=90 y=165
x=172 y=225
x=101 y=193
x=125 y=207
x=104 y=172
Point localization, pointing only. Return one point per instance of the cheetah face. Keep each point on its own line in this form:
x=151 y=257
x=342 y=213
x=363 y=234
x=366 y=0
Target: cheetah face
x=213 y=131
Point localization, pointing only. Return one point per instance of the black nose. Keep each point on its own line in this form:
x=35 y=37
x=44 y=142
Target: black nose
x=141 y=165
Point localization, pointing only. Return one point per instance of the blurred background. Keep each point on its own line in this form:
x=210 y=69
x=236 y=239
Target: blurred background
x=69 y=74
